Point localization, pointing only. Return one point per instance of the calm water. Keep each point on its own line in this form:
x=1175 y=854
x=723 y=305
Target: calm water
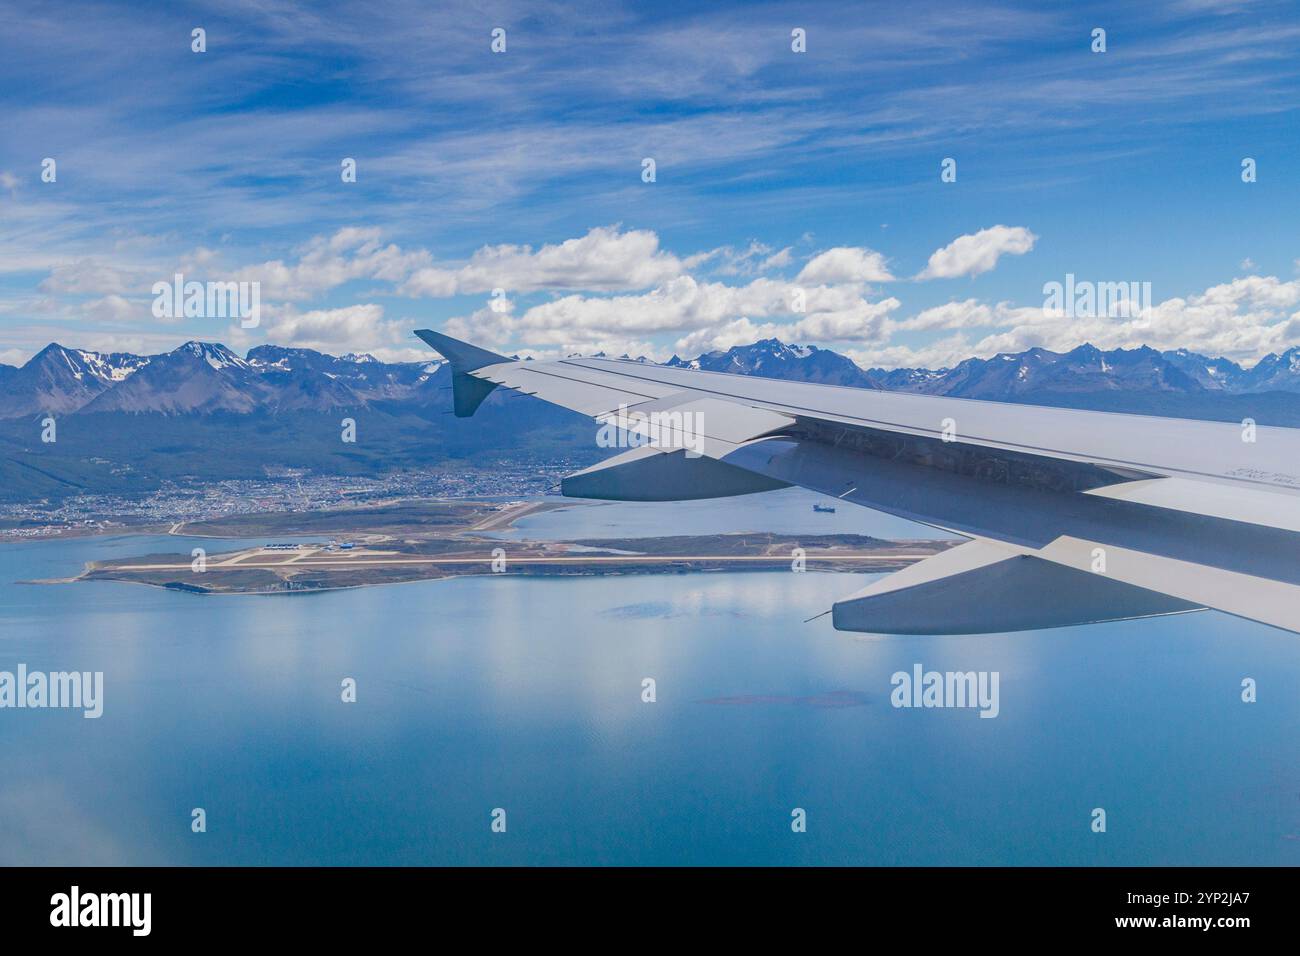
x=525 y=694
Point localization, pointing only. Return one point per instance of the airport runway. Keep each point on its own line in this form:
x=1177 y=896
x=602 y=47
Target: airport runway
x=353 y=564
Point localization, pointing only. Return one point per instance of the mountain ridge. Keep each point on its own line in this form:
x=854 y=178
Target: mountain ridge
x=201 y=413
x=205 y=377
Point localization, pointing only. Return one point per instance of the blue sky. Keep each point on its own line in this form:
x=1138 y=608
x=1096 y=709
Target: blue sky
x=776 y=173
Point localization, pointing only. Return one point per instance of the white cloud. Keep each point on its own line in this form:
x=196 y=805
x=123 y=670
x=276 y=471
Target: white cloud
x=720 y=338
x=942 y=353
x=970 y=255
x=323 y=263
x=951 y=315
x=486 y=325
x=619 y=291
x=605 y=259
x=89 y=277
x=115 y=308
x=327 y=262
x=354 y=328
x=778 y=260
x=1243 y=320
x=687 y=303
x=866 y=322
x=755 y=258
x=967 y=314
x=845 y=264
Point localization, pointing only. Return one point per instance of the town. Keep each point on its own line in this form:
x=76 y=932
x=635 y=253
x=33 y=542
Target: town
x=286 y=491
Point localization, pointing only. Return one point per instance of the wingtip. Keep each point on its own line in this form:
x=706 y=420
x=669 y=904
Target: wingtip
x=463 y=356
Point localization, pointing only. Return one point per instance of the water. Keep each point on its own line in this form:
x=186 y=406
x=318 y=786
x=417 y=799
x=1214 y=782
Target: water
x=525 y=694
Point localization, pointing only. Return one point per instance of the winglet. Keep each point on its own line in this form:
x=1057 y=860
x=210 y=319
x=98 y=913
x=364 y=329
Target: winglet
x=462 y=356
x=467 y=391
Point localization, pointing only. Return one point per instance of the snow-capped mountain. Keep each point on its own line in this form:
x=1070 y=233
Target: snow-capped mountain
x=1087 y=369
x=59 y=379
x=206 y=377
x=365 y=375
x=1012 y=376
x=1274 y=373
x=202 y=412
x=772 y=358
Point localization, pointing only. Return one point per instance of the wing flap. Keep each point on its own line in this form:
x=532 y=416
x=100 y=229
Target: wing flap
x=653 y=474
x=986 y=587
x=983 y=587
x=1255 y=598
x=1207 y=498
x=686 y=438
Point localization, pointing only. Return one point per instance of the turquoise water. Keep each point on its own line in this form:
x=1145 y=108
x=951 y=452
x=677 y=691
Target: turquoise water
x=525 y=694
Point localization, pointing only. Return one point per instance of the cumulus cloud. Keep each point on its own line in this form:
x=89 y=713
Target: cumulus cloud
x=967 y=314
x=619 y=291
x=845 y=264
x=720 y=338
x=942 y=353
x=865 y=322
x=707 y=310
x=605 y=259
x=1242 y=320
x=978 y=252
x=615 y=288
x=486 y=325
x=686 y=303
x=354 y=328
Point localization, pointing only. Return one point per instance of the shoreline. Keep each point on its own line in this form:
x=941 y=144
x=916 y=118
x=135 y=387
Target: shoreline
x=313 y=568
x=409 y=540
x=179 y=527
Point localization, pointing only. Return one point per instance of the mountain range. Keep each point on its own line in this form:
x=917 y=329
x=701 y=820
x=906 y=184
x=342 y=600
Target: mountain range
x=202 y=378
x=1017 y=376
x=202 y=412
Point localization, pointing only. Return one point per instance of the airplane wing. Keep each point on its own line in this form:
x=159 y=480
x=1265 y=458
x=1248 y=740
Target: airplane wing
x=1074 y=516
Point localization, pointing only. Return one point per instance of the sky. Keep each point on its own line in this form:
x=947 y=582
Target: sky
x=502 y=196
